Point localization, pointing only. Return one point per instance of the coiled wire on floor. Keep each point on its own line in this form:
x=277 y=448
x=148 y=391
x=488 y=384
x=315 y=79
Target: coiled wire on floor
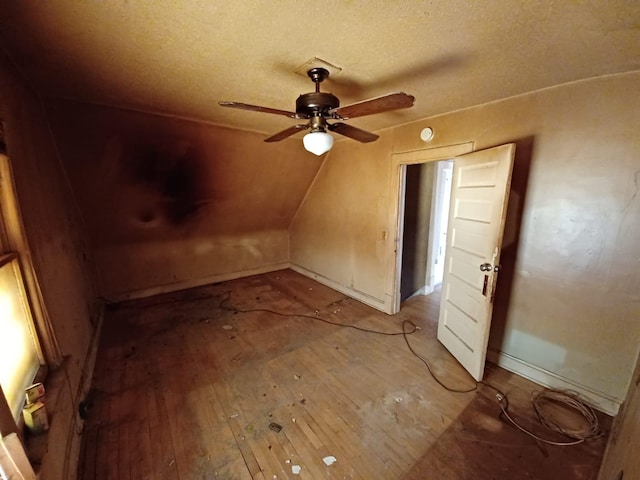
x=571 y=400
x=563 y=398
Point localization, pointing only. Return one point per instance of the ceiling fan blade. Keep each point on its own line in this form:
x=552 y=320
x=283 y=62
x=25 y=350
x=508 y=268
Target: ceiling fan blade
x=256 y=108
x=385 y=103
x=353 y=132
x=286 y=133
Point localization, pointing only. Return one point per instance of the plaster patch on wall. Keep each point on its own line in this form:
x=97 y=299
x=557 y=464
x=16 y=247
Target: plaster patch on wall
x=530 y=346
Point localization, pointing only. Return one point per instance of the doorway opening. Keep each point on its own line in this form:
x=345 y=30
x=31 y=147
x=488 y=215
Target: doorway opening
x=480 y=193
x=427 y=191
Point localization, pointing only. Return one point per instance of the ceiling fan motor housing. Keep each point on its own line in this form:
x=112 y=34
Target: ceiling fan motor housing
x=312 y=104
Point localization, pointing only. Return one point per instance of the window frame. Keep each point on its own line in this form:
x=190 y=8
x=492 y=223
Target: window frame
x=13 y=240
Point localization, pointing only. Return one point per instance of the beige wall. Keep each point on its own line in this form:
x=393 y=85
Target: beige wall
x=60 y=255
x=568 y=300
x=171 y=203
x=340 y=234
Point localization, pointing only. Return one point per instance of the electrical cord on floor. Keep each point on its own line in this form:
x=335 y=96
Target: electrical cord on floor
x=428 y=365
x=539 y=399
x=226 y=297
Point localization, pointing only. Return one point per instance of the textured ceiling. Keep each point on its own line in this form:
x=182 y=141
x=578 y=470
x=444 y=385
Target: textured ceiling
x=180 y=57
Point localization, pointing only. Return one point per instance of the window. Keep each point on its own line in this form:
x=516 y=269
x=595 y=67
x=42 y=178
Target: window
x=20 y=356
x=24 y=325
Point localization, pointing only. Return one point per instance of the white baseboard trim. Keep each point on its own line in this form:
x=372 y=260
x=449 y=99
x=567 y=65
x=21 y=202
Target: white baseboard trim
x=351 y=292
x=598 y=400
x=196 y=282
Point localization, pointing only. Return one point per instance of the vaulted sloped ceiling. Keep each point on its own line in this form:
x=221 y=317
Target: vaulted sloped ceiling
x=181 y=57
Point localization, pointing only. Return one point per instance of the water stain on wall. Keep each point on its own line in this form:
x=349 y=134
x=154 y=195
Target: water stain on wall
x=169 y=175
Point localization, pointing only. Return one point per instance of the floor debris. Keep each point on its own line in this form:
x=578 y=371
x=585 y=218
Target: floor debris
x=329 y=460
x=296 y=469
x=276 y=427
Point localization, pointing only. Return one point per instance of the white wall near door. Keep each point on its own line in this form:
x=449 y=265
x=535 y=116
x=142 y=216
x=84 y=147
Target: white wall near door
x=438 y=224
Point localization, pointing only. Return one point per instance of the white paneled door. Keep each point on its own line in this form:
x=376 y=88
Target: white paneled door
x=479 y=196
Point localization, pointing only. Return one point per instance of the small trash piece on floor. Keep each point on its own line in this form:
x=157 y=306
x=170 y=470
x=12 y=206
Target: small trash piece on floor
x=287 y=461
x=227 y=327
x=329 y=460
x=275 y=427
x=296 y=469
x=296 y=376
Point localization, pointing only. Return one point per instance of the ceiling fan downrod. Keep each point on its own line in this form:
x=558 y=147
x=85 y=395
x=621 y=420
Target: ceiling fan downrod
x=317 y=76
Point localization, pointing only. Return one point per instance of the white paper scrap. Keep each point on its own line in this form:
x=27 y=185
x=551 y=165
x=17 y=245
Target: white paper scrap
x=296 y=469
x=330 y=460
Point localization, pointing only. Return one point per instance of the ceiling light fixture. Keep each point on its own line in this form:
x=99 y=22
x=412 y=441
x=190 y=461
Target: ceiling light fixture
x=318 y=142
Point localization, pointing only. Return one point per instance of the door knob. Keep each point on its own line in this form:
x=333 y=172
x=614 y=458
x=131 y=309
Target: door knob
x=487 y=267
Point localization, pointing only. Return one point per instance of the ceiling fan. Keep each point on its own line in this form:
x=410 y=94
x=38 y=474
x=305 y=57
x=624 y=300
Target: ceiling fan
x=318 y=107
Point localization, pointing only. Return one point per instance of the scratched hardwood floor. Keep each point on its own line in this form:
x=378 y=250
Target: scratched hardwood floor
x=186 y=388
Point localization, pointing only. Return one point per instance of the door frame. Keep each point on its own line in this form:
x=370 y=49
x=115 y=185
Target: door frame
x=435 y=224
x=399 y=161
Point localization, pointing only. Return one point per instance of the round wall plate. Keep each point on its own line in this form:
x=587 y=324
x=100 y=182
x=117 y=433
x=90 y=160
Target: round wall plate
x=426 y=134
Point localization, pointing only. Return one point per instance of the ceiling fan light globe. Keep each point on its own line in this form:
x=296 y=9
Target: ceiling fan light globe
x=317 y=142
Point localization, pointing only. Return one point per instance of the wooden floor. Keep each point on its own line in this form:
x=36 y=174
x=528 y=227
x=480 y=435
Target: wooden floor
x=186 y=389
